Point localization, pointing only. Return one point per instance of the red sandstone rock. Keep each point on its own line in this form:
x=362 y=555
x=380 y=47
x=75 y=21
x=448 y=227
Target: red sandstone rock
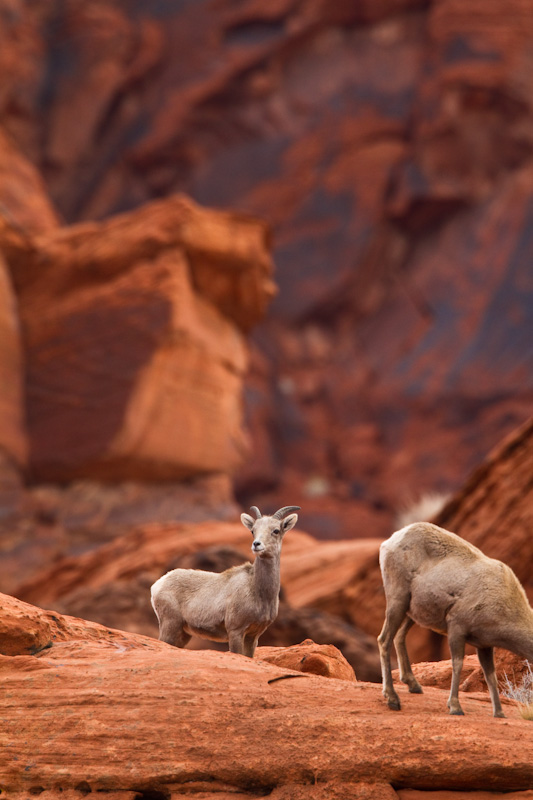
x=24 y=209
x=152 y=709
x=387 y=143
x=23 y=628
x=12 y=429
x=24 y=201
x=493 y=509
x=143 y=311
x=357 y=647
x=309 y=657
x=227 y=253
x=13 y=438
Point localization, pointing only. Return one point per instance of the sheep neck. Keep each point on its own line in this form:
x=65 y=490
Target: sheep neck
x=267 y=577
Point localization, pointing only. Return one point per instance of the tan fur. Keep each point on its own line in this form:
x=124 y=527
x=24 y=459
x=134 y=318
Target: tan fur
x=234 y=606
x=440 y=581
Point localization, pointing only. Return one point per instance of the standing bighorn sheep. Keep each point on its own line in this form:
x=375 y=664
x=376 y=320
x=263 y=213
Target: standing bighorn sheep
x=442 y=582
x=234 y=606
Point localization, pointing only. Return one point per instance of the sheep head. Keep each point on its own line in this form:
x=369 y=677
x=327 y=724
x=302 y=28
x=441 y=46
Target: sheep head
x=268 y=531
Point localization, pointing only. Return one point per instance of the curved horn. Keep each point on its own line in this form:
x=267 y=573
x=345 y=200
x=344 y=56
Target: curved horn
x=256 y=511
x=284 y=511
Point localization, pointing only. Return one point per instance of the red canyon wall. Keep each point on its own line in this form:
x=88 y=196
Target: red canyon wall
x=388 y=144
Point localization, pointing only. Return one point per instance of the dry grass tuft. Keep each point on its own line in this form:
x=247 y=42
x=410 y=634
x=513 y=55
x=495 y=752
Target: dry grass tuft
x=424 y=509
x=521 y=692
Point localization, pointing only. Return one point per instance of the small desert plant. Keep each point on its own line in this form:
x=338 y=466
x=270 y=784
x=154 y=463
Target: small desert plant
x=423 y=509
x=521 y=692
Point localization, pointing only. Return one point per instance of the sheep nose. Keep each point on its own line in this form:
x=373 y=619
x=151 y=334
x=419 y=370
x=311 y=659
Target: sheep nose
x=256 y=545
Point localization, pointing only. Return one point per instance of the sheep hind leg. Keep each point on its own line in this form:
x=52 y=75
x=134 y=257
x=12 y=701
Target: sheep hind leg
x=170 y=623
x=457 y=650
x=406 y=673
x=171 y=631
x=393 y=620
x=486 y=659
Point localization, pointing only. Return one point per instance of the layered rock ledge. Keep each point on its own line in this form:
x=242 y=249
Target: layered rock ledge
x=131 y=718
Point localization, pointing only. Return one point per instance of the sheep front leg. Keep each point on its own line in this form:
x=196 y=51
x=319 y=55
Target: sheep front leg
x=250 y=643
x=236 y=642
x=486 y=659
x=457 y=650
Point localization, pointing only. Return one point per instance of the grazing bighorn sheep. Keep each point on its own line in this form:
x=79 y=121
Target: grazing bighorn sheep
x=234 y=606
x=442 y=582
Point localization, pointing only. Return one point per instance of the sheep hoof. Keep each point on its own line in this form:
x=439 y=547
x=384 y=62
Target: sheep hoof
x=416 y=689
x=394 y=704
x=499 y=714
x=457 y=712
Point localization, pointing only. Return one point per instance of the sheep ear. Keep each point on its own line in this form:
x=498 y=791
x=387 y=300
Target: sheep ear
x=289 y=522
x=247 y=521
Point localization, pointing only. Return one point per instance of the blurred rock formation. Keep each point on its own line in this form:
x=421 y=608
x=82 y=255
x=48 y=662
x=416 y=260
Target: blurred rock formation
x=390 y=147
x=123 y=351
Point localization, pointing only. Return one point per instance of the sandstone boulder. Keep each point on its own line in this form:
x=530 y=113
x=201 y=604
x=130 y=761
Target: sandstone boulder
x=173 y=723
x=135 y=355
x=309 y=657
x=23 y=628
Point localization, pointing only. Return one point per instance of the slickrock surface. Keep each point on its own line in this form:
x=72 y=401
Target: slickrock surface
x=309 y=657
x=109 y=712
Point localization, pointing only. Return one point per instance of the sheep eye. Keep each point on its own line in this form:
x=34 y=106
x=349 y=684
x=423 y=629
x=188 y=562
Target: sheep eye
x=276 y=531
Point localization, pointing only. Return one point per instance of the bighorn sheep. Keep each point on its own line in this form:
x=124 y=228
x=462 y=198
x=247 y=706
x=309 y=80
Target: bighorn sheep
x=234 y=606
x=442 y=582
